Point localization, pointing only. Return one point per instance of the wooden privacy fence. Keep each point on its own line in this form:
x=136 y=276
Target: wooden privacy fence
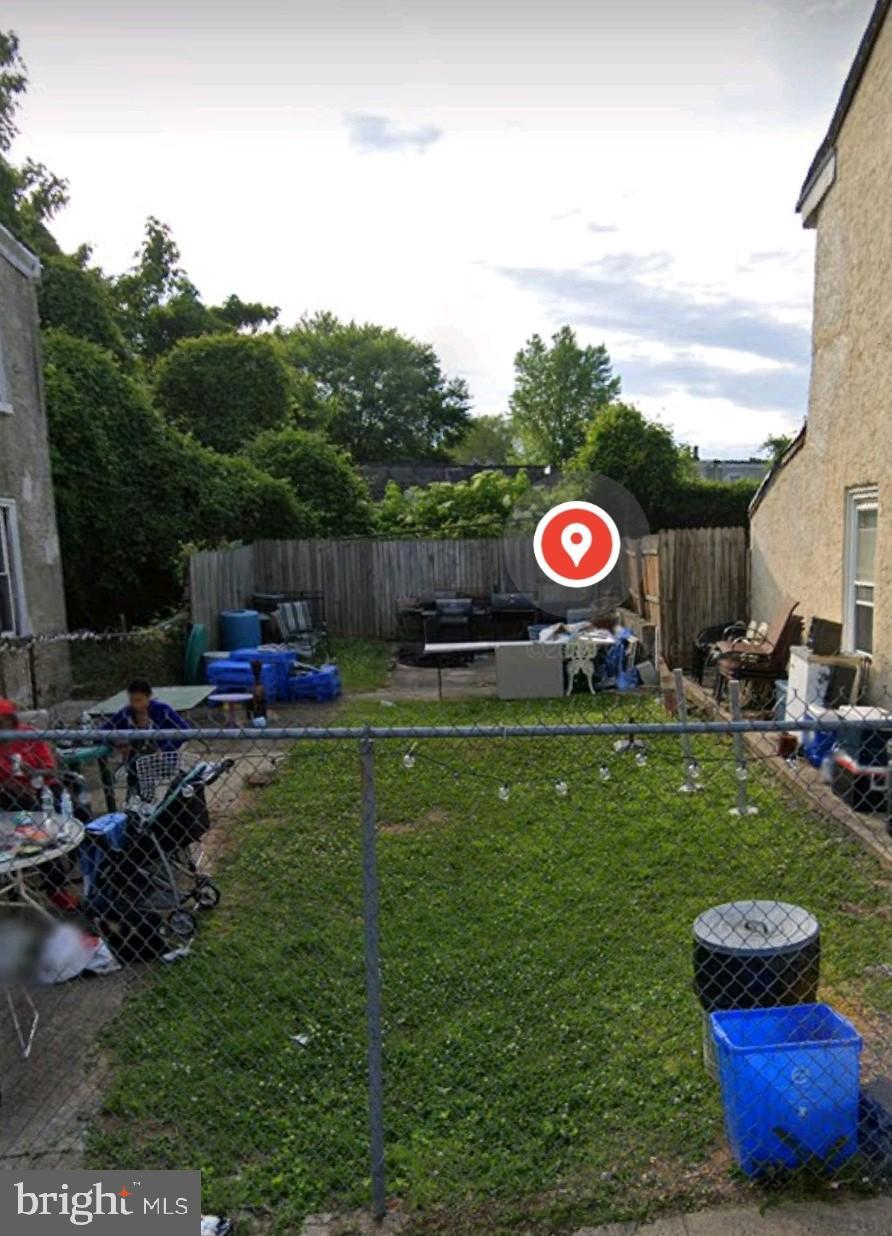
x=686 y=579
x=682 y=580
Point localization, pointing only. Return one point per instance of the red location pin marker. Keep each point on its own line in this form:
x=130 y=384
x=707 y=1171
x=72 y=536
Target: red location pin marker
x=576 y=544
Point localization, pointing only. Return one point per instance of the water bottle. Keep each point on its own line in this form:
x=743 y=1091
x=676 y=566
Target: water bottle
x=66 y=806
x=46 y=802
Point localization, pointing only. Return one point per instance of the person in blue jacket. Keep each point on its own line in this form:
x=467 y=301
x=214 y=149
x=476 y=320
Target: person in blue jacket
x=144 y=712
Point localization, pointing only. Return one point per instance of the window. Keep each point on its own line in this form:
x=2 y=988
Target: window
x=13 y=619
x=862 y=509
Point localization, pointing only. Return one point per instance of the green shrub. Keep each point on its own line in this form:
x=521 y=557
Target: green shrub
x=479 y=507
x=76 y=299
x=224 y=389
x=130 y=490
x=321 y=476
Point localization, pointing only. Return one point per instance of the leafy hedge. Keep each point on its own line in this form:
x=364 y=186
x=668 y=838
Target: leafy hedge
x=130 y=490
x=706 y=504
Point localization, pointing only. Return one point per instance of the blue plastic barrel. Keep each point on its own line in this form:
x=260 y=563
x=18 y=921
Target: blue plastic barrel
x=239 y=628
x=790 y=1085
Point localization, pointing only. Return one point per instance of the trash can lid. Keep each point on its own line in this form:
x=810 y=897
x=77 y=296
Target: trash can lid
x=746 y=928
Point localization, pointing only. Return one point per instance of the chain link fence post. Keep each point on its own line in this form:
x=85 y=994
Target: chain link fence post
x=690 y=785
x=741 y=771
x=371 y=933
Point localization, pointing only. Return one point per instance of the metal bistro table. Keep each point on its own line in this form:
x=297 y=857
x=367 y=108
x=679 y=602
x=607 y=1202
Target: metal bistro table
x=21 y=856
x=17 y=860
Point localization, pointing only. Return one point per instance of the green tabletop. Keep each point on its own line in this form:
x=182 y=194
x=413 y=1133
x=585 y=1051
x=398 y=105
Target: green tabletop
x=181 y=699
x=72 y=757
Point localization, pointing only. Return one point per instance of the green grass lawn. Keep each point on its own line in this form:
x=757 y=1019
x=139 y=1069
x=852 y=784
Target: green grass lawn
x=542 y=1043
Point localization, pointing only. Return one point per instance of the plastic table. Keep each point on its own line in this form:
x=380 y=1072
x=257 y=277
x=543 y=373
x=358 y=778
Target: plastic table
x=231 y=699
x=181 y=699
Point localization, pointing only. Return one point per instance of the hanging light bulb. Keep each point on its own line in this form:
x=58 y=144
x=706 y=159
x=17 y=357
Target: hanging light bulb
x=604 y=772
x=561 y=789
x=641 y=759
x=504 y=793
x=408 y=760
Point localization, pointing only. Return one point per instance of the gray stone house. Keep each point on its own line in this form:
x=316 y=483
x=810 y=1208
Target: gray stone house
x=821 y=523
x=32 y=598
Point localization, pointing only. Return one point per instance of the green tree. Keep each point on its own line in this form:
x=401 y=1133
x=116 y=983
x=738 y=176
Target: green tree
x=775 y=446
x=160 y=305
x=388 y=398
x=245 y=315
x=558 y=390
x=77 y=298
x=30 y=194
x=488 y=440
x=322 y=478
x=130 y=491
x=224 y=389
x=479 y=507
x=641 y=455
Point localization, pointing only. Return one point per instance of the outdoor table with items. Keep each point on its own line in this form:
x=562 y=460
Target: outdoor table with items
x=29 y=839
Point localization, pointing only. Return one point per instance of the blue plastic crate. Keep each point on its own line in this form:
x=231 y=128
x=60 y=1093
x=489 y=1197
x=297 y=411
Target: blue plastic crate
x=790 y=1085
x=319 y=685
x=238 y=676
x=282 y=661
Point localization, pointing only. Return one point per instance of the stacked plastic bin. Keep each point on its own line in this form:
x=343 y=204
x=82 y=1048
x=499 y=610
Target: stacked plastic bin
x=320 y=685
x=230 y=675
x=280 y=660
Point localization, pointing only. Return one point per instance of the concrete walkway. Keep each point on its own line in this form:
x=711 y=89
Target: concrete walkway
x=867 y=1218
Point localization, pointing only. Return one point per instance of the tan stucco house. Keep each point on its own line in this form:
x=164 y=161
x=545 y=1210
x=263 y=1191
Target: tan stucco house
x=822 y=521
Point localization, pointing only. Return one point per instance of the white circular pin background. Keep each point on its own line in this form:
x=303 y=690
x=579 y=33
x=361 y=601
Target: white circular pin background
x=616 y=544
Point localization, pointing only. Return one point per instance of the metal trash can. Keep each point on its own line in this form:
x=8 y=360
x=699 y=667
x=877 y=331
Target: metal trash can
x=754 y=954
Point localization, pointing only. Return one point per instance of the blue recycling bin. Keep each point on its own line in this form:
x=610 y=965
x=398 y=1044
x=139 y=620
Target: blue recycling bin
x=790 y=1086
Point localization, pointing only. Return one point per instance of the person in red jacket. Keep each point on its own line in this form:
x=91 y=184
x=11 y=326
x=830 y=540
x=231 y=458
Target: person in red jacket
x=23 y=761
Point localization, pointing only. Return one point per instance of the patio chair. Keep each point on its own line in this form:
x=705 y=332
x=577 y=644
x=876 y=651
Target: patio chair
x=296 y=628
x=758 y=659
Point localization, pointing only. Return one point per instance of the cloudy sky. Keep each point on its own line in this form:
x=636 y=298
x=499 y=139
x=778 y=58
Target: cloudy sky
x=470 y=171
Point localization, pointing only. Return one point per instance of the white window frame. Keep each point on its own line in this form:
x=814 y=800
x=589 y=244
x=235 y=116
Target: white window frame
x=863 y=498
x=9 y=531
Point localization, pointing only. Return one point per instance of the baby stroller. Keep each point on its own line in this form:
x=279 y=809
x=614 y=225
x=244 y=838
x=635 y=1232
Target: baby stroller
x=141 y=877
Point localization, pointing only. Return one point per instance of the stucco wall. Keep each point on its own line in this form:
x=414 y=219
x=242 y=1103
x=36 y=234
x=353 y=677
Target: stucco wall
x=798 y=530
x=25 y=467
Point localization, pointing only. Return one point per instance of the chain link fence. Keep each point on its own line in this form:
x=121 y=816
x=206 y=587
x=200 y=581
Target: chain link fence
x=479 y=964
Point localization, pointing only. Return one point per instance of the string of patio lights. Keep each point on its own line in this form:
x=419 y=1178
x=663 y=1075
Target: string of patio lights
x=630 y=746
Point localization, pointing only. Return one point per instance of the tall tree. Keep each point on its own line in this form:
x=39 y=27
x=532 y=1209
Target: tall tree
x=31 y=194
x=388 y=397
x=160 y=305
x=641 y=455
x=558 y=389
x=489 y=440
